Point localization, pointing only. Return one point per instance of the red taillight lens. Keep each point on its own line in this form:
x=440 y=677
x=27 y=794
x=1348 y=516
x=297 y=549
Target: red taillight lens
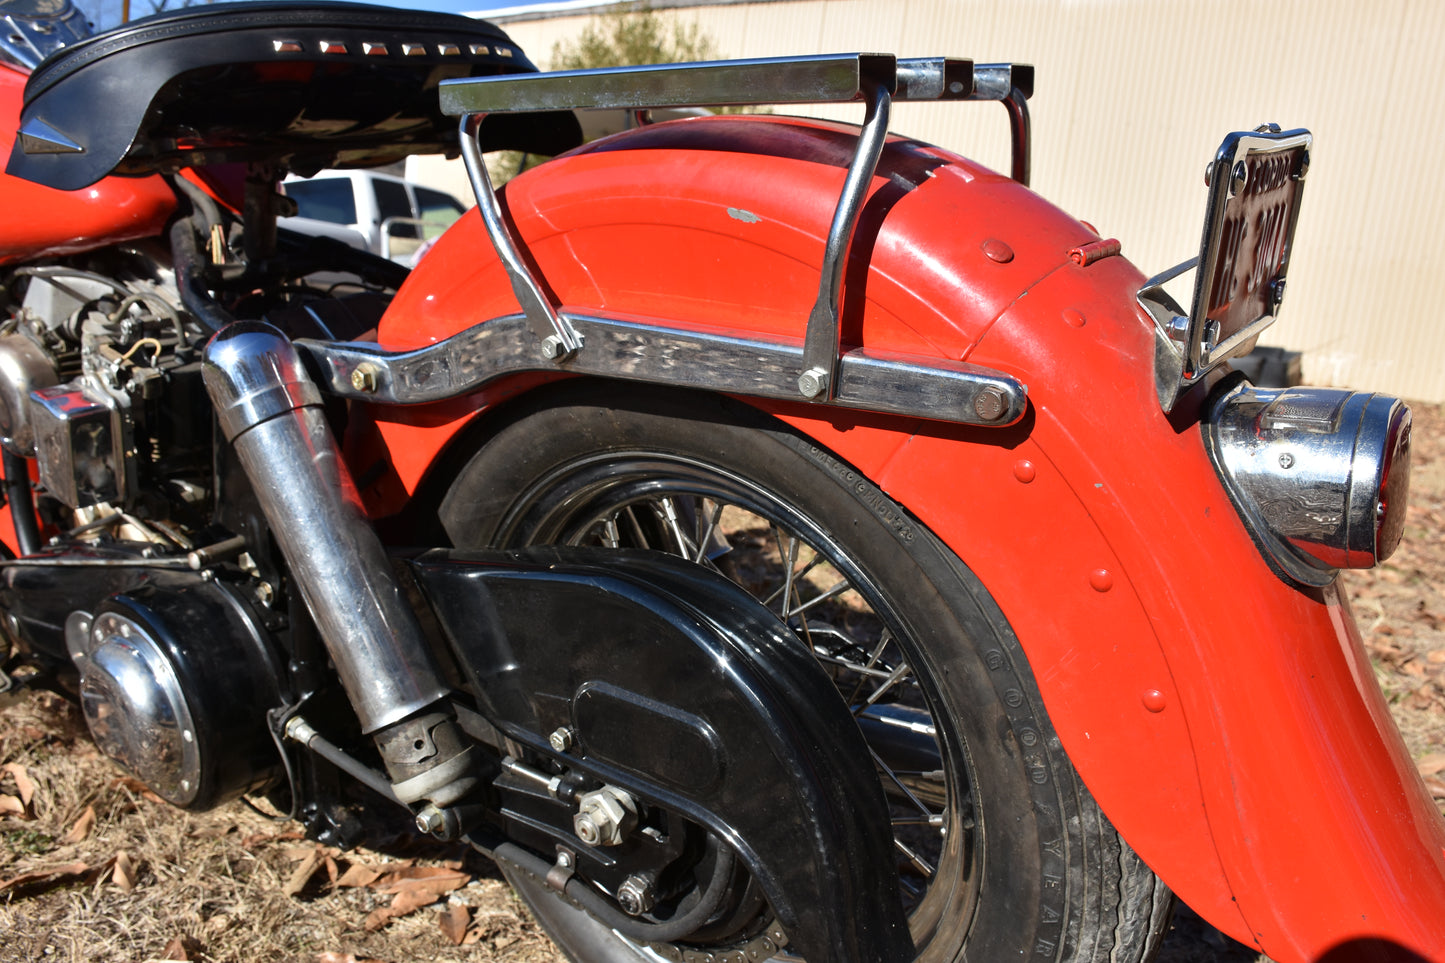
x=1394 y=486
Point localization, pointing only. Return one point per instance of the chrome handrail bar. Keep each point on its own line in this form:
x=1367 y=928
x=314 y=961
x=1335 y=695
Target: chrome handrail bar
x=875 y=79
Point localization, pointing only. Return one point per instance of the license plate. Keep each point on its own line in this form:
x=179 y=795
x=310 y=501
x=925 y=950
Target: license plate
x=1255 y=185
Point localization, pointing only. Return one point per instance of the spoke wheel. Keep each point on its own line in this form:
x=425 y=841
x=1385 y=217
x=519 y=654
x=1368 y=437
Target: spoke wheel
x=999 y=848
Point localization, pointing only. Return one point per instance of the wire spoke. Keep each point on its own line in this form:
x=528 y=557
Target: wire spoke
x=877 y=654
x=919 y=863
x=636 y=527
x=712 y=521
x=685 y=545
x=833 y=592
x=801 y=573
x=893 y=679
x=893 y=778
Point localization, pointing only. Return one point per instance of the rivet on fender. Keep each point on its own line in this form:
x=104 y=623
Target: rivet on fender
x=1154 y=700
x=1024 y=470
x=1101 y=579
x=1074 y=319
x=996 y=250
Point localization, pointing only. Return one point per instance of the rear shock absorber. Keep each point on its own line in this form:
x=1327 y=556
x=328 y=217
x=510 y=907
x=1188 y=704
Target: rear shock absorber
x=270 y=410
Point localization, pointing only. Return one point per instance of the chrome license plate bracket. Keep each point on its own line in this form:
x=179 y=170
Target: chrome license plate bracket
x=1255 y=183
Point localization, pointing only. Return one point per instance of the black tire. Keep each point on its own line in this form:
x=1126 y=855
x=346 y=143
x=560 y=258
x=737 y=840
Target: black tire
x=1027 y=867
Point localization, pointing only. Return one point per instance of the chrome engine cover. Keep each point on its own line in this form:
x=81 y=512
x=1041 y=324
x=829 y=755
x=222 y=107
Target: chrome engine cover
x=134 y=704
x=176 y=679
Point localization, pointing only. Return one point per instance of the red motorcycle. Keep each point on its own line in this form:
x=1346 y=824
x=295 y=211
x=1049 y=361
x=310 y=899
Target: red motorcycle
x=763 y=537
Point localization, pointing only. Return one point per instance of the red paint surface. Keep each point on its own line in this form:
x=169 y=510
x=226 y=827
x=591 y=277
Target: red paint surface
x=1272 y=792
x=43 y=222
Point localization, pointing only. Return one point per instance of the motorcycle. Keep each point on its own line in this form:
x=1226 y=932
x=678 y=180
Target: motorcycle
x=765 y=538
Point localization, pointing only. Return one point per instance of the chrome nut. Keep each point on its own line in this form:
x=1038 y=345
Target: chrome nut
x=605 y=817
x=636 y=895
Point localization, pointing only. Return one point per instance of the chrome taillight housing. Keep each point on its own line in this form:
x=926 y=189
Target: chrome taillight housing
x=1319 y=475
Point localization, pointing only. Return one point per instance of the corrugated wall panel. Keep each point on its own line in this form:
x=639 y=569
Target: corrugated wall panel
x=1132 y=98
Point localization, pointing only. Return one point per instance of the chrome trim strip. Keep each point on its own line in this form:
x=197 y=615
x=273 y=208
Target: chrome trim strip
x=897 y=384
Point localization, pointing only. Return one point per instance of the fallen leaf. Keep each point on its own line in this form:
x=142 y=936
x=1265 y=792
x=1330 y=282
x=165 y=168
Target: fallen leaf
x=11 y=805
x=332 y=871
x=1436 y=785
x=81 y=827
x=414 y=888
x=1431 y=764
x=256 y=839
x=330 y=957
x=124 y=875
x=1435 y=657
x=135 y=787
x=179 y=948
x=359 y=874
x=432 y=878
x=23 y=782
x=302 y=874
x=41 y=880
x=454 y=921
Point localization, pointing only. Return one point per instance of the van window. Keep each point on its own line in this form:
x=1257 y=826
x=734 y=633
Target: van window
x=436 y=210
x=324 y=199
x=392 y=201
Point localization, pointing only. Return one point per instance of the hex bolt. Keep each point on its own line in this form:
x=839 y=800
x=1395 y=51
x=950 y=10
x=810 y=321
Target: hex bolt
x=431 y=821
x=363 y=377
x=991 y=403
x=636 y=895
x=605 y=817
x=553 y=347
x=563 y=738
x=813 y=382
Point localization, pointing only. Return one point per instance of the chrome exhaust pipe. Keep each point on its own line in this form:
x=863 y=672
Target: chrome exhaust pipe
x=270 y=410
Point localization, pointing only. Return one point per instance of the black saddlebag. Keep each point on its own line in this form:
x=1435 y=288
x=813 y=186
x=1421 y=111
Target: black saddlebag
x=297 y=86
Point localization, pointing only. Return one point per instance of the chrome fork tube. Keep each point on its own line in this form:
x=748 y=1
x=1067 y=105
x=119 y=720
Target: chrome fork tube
x=270 y=410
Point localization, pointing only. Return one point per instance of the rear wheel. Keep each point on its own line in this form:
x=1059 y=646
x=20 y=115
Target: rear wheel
x=1001 y=851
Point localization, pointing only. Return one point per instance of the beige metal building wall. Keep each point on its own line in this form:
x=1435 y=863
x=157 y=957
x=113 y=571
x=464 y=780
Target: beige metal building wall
x=1132 y=98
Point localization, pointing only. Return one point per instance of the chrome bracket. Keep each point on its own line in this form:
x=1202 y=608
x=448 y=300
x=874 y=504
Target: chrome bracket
x=651 y=351
x=876 y=79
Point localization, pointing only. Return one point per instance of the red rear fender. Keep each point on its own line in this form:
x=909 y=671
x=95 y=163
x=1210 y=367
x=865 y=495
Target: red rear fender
x=1227 y=723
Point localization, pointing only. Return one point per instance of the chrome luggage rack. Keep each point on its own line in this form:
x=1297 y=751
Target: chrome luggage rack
x=816 y=370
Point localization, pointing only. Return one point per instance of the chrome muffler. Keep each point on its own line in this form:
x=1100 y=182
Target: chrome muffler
x=271 y=411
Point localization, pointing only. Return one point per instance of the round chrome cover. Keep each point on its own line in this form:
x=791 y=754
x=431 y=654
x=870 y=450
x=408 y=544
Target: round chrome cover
x=135 y=708
x=1320 y=475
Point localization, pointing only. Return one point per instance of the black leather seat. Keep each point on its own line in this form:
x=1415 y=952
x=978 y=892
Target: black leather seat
x=295 y=86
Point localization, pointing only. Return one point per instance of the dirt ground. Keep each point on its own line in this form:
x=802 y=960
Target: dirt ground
x=95 y=868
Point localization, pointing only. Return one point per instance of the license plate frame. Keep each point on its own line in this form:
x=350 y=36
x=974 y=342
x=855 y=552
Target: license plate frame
x=1255 y=182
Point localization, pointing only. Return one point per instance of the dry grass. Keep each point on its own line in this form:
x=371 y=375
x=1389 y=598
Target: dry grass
x=148 y=882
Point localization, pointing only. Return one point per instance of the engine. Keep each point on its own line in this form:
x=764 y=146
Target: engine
x=159 y=609
x=100 y=383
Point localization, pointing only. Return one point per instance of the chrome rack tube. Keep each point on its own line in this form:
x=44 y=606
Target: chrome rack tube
x=558 y=338
x=819 y=378
x=1012 y=85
